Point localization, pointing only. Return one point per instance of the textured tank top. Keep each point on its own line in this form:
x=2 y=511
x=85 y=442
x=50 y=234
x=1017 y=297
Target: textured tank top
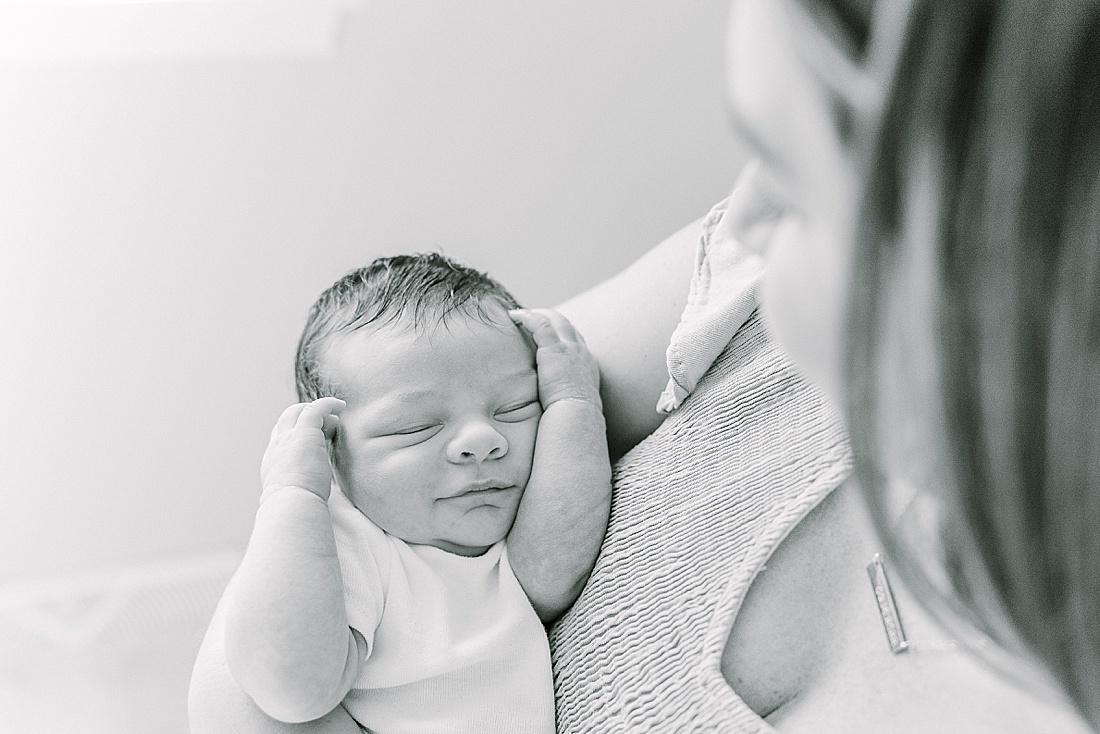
x=697 y=509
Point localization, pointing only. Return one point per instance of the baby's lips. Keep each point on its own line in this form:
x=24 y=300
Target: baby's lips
x=477 y=487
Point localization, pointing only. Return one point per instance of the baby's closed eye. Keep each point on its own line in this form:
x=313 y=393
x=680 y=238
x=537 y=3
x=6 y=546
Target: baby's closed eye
x=519 y=411
x=412 y=433
x=414 y=429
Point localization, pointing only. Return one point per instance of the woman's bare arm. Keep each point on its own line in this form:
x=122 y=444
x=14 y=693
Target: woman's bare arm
x=627 y=322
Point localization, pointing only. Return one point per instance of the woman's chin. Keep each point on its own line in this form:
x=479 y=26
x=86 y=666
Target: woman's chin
x=806 y=339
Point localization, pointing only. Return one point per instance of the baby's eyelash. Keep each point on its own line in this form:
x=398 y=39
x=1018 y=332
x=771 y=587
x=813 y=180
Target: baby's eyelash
x=518 y=406
x=416 y=429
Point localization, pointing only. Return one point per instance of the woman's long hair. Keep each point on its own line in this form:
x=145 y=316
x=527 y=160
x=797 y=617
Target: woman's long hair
x=995 y=114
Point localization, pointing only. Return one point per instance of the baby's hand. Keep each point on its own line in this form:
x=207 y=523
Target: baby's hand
x=567 y=370
x=297 y=455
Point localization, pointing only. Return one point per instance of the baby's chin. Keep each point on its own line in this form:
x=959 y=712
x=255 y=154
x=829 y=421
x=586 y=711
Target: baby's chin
x=470 y=550
x=475 y=541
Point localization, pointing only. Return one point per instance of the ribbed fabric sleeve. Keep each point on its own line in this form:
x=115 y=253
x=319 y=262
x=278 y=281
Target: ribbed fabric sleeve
x=721 y=297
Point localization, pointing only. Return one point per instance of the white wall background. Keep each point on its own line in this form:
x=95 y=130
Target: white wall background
x=164 y=227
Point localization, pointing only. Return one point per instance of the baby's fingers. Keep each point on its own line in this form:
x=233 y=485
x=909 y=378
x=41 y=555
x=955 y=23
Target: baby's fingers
x=297 y=455
x=566 y=369
x=322 y=414
x=289 y=417
x=329 y=409
x=546 y=326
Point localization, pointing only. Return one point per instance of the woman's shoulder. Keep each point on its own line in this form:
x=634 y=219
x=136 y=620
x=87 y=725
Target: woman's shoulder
x=915 y=693
x=809 y=652
x=795 y=615
x=627 y=322
x=668 y=315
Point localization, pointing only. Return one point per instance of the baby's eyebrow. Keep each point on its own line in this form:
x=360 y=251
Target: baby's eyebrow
x=518 y=381
x=402 y=400
x=417 y=401
x=412 y=394
x=524 y=371
x=520 y=376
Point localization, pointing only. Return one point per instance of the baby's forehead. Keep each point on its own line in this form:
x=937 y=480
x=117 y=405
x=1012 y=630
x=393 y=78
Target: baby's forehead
x=461 y=345
x=484 y=327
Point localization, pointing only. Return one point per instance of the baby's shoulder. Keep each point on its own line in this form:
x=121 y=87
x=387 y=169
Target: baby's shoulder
x=365 y=551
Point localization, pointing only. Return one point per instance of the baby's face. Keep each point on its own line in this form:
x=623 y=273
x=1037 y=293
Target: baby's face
x=436 y=441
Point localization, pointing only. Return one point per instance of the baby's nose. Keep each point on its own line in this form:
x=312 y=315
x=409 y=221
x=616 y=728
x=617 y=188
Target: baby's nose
x=475 y=442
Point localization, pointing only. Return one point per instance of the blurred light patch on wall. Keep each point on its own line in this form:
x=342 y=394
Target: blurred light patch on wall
x=109 y=652
x=46 y=31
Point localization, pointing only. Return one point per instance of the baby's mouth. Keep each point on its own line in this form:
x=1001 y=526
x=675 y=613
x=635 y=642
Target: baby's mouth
x=483 y=485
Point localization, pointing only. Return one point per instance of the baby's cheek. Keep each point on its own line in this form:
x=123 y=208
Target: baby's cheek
x=524 y=444
x=372 y=468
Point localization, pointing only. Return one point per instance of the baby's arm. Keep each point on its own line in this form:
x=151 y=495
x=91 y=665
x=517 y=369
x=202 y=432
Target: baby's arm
x=562 y=518
x=287 y=639
x=216 y=704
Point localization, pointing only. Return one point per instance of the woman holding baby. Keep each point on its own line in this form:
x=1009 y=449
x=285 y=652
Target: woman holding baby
x=922 y=233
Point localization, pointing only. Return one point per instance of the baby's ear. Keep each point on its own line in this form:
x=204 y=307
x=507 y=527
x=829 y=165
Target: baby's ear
x=331 y=445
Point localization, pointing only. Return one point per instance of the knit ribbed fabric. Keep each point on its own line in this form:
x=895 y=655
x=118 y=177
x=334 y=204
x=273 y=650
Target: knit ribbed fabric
x=722 y=295
x=698 y=507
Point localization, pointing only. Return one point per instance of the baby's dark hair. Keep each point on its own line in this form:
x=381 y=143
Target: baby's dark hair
x=425 y=289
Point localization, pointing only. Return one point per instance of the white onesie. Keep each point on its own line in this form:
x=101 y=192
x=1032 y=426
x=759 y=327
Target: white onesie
x=455 y=645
